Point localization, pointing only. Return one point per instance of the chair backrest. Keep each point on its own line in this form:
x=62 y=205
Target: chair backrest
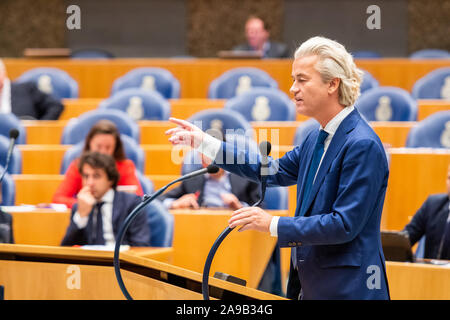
x=77 y=128
x=92 y=53
x=430 y=54
x=139 y=104
x=146 y=183
x=222 y=120
x=263 y=104
x=368 y=82
x=387 y=104
x=161 y=223
x=132 y=151
x=149 y=79
x=53 y=81
x=366 y=54
x=420 y=250
x=434 y=85
x=304 y=129
x=15 y=162
x=276 y=198
x=239 y=80
x=9 y=121
x=8 y=190
x=432 y=132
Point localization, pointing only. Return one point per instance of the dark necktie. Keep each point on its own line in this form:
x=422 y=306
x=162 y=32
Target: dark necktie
x=317 y=156
x=97 y=227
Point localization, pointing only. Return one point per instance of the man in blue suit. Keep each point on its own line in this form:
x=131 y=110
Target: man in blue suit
x=101 y=210
x=341 y=173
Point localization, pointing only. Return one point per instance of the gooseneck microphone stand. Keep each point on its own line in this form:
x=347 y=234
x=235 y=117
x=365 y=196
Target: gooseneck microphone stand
x=264 y=148
x=146 y=200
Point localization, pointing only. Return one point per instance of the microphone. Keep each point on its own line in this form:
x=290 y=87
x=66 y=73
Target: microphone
x=264 y=148
x=145 y=201
x=13 y=134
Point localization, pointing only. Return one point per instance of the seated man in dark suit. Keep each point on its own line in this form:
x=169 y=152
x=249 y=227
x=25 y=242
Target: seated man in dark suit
x=432 y=220
x=258 y=39
x=220 y=189
x=26 y=101
x=101 y=210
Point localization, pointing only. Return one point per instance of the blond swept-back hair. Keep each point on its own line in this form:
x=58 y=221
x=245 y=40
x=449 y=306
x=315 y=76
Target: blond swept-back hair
x=334 y=62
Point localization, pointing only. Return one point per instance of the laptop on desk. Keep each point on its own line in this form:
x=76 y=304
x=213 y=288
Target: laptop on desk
x=396 y=246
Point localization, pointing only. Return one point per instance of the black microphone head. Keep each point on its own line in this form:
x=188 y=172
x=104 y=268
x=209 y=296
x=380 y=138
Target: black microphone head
x=265 y=147
x=212 y=169
x=13 y=133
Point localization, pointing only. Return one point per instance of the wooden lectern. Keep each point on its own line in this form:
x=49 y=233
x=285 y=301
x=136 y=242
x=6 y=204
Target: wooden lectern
x=53 y=273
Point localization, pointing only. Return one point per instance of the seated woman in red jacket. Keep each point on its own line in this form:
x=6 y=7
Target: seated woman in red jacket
x=103 y=138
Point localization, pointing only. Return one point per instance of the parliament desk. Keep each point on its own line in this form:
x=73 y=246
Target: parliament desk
x=95 y=77
x=418 y=281
x=31 y=272
x=414 y=175
x=242 y=254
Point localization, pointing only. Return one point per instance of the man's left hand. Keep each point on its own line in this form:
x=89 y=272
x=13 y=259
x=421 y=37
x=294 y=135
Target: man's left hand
x=251 y=218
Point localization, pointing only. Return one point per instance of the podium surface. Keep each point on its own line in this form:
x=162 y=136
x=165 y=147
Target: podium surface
x=53 y=273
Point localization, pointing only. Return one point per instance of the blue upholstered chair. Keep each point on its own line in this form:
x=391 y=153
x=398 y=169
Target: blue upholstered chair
x=430 y=54
x=263 y=104
x=15 y=162
x=387 y=104
x=8 y=189
x=150 y=79
x=52 y=81
x=92 y=53
x=434 y=85
x=368 y=82
x=9 y=121
x=161 y=223
x=77 y=128
x=224 y=120
x=432 y=132
x=366 y=54
x=238 y=80
x=132 y=151
x=139 y=104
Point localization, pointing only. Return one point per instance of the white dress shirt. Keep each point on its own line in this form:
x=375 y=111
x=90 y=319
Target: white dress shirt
x=210 y=146
x=5 y=97
x=106 y=210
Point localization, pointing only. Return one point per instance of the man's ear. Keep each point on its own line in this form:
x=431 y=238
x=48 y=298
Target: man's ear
x=333 y=85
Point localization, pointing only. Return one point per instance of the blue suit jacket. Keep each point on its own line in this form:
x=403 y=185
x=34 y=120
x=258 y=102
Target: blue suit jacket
x=138 y=233
x=339 y=252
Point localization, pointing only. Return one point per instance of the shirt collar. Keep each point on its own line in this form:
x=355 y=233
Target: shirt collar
x=108 y=197
x=332 y=126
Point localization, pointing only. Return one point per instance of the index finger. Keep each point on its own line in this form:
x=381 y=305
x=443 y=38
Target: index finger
x=183 y=123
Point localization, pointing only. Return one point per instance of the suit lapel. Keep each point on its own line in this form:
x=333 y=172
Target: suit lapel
x=339 y=138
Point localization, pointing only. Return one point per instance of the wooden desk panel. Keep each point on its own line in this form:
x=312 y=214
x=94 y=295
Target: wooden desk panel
x=415 y=281
x=95 y=77
x=40 y=188
x=42 y=159
x=181 y=108
x=414 y=175
x=428 y=107
x=244 y=255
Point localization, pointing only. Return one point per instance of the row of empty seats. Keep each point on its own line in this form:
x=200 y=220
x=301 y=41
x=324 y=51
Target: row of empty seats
x=433 y=132
x=435 y=85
